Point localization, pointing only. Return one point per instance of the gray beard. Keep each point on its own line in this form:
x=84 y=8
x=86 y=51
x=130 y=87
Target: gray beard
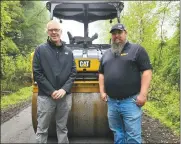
x=117 y=48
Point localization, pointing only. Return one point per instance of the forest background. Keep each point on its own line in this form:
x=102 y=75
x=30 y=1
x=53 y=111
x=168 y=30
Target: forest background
x=148 y=23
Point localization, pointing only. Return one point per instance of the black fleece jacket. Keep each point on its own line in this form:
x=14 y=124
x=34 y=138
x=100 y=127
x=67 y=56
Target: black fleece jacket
x=53 y=68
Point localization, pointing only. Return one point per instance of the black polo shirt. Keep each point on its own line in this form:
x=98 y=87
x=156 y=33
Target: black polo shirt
x=122 y=73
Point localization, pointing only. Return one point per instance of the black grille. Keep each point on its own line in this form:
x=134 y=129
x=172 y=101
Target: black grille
x=87 y=76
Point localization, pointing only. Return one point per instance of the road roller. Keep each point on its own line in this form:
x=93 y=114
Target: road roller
x=88 y=116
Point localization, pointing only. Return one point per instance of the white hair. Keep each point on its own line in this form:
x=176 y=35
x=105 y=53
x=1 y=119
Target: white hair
x=54 y=21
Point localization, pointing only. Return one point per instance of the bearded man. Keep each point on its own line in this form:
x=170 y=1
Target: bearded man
x=125 y=74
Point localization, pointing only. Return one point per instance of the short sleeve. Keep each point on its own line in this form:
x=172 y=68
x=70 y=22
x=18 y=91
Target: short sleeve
x=142 y=60
x=101 y=66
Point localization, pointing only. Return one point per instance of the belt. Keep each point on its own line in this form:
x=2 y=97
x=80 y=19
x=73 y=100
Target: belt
x=122 y=98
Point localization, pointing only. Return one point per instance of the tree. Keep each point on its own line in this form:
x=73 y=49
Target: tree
x=23 y=24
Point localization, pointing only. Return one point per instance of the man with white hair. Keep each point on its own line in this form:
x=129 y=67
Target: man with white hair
x=54 y=70
x=124 y=78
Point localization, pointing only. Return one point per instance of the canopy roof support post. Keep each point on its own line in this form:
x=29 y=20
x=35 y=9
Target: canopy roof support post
x=119 y=7
x=86 y=28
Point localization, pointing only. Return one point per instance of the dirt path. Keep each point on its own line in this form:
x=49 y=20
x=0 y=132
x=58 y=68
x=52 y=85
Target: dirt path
x=153 y=131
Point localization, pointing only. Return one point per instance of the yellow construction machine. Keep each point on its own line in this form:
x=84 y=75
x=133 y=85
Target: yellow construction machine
x=88 y=116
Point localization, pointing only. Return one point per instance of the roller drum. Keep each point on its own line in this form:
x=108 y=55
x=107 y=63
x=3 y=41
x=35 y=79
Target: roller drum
x=87 y=118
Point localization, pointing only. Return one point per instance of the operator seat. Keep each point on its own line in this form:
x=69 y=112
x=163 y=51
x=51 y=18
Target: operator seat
x=80 y=39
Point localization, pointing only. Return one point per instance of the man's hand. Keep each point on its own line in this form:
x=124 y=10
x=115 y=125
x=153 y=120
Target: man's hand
x=141 y=100
x=54 y=94
x=60 y=94
x=104 y=96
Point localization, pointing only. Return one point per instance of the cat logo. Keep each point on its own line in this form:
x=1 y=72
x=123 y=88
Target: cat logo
x=84 y=63
x=123 y=54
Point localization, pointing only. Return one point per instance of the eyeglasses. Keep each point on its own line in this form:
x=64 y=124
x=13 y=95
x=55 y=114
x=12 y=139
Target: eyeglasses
x=55 y=30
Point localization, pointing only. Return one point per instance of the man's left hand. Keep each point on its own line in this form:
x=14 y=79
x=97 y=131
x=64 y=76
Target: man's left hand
x=141 y=100
x=60 y=94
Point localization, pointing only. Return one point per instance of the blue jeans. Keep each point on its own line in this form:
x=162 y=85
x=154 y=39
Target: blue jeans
x=124 y=118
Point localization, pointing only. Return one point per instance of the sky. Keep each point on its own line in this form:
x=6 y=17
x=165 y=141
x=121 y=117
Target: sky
x=77 y=29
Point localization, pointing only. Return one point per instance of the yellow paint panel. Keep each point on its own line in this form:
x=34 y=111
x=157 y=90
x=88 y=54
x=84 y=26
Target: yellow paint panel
x=85 y=87
x=31 y=59
x=94 y=65
x=86 y=82
x=79 y=86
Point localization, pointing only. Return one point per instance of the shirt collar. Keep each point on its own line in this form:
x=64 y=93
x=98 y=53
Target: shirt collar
x=54 y=45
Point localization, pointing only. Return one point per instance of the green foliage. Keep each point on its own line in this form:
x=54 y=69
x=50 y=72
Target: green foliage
x=141 y=22
x=163 y=103
x=11 y=100
x=170 y=61
x=9 y=47
x=5 y=18
x=14 y=70
x=33 y=27
x=22 y=29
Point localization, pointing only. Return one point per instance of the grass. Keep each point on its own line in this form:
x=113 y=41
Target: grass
x=20 y=96
x=162 y=116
